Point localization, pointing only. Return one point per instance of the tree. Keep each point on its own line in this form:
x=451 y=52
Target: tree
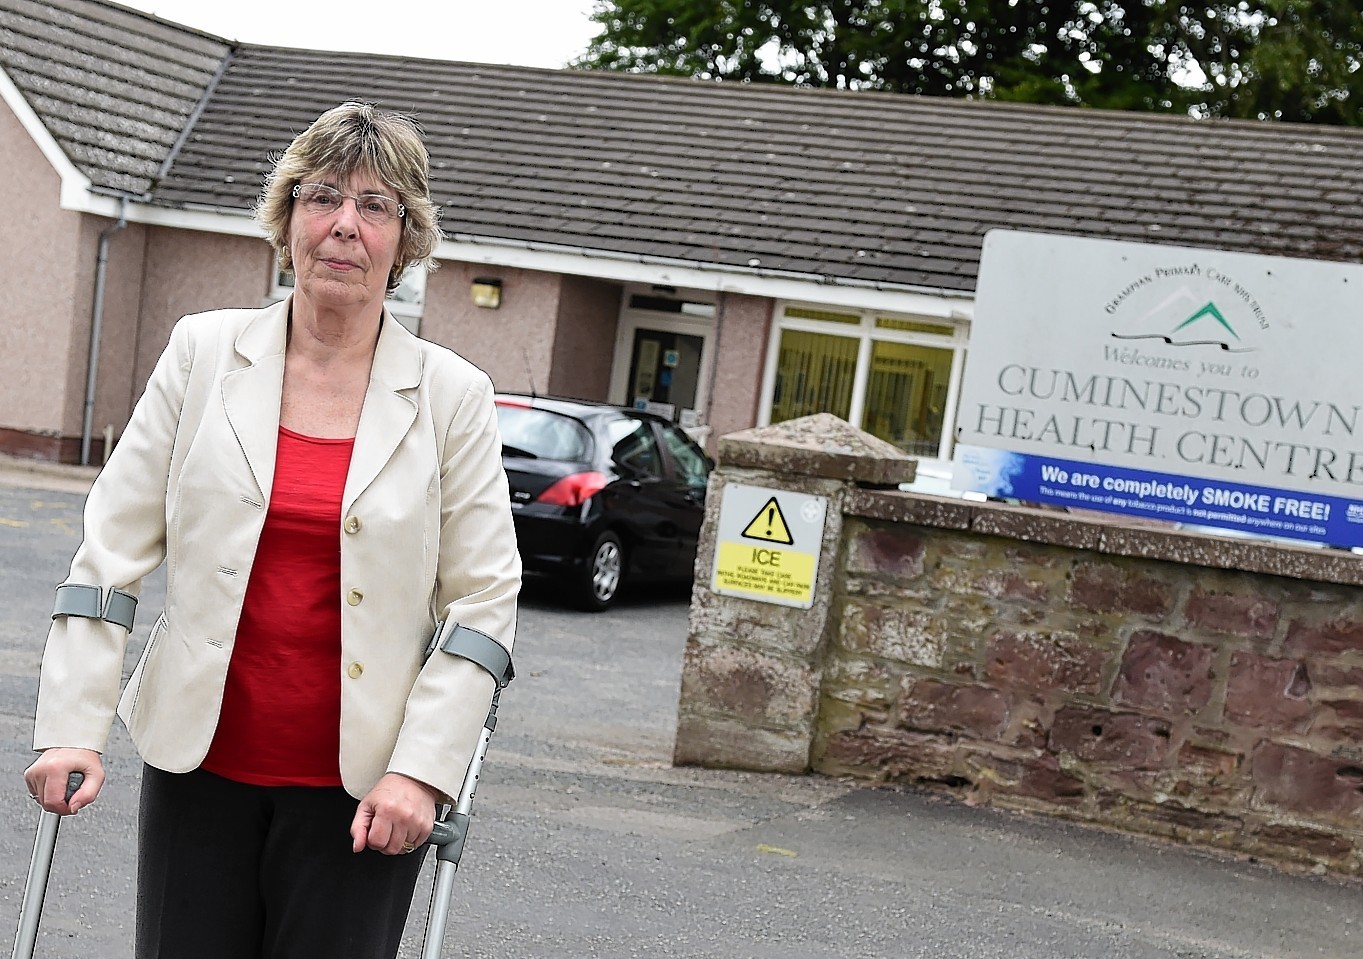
x=1306 y=66
x=1274 y=59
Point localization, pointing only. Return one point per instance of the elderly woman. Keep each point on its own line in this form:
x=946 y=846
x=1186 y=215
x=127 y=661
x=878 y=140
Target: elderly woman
x=325 y=488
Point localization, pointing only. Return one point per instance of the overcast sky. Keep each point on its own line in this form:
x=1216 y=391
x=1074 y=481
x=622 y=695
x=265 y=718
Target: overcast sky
x=536 y=33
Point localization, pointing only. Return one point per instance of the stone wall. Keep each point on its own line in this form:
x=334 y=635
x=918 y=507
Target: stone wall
x=1198 y=688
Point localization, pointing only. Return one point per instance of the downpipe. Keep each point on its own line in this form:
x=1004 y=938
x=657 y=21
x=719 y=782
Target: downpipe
x=96 y=323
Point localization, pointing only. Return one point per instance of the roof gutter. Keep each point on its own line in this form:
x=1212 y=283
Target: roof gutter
x=588 y=262
x=821 y=279
x=96 y=324
x=237 y=221
x=597 y=263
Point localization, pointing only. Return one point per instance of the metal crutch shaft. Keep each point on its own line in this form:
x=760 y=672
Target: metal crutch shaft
x=448 y=837
x=39 y=868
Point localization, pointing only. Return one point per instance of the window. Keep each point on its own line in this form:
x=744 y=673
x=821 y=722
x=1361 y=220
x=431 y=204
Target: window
x=693 y=466
x=667 y=304
x=906 y=396
x=405 y=303
x=633 y=448
x=541 y=434
x=410 y=296
x=893 y=376
x=829 y=316
x=814 y=374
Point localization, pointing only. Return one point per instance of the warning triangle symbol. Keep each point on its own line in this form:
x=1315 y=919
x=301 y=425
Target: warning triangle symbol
x=769 y=525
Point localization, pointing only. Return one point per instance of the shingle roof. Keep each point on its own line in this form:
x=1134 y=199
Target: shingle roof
x=874 y=188
x=114 y=87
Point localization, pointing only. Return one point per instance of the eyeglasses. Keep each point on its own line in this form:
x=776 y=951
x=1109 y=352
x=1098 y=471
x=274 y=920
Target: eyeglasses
x=375 y=208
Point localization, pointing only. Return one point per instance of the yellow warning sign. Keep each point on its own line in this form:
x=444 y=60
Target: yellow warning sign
x=769 y=525
x=777 y=574
x=767 y=544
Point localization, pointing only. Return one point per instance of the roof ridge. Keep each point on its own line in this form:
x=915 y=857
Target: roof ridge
x=926 y=102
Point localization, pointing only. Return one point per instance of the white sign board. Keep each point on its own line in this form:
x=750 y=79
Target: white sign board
x=1207 y=387
x=767 y=544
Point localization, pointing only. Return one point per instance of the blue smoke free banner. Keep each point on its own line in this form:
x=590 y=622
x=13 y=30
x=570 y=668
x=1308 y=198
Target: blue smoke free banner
x=1256 y=510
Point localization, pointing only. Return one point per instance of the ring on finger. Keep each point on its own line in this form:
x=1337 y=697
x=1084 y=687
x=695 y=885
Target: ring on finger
x=408 y=847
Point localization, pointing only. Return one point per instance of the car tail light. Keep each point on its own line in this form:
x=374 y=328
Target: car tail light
x=573 y=490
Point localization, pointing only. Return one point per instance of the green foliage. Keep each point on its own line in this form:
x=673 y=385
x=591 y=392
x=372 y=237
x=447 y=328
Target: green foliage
x=1307 y=65
x=1273 y=59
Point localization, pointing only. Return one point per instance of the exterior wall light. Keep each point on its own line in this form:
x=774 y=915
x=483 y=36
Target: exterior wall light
x=487 y=292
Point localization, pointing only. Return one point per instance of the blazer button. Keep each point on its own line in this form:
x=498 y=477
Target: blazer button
x=353 y=597
x=355 y=671
x=352 y=525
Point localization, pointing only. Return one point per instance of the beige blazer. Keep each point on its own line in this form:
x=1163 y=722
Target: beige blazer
x=426 y=534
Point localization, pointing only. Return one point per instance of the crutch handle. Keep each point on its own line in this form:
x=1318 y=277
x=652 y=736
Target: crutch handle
x=448 y=835
x=442 y=833
x=39 y=868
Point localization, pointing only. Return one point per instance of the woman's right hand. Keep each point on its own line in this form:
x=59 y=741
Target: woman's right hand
x=47 y=777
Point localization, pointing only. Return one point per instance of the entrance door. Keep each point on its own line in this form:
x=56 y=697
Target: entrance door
x=664 y=371
x=662 y=359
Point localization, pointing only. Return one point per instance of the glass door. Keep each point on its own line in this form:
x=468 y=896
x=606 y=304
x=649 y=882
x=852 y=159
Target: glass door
x=662 y=357
x=664 y=371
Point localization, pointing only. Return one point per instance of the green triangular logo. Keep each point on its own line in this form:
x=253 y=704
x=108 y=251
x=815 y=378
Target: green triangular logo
x=1208 y=310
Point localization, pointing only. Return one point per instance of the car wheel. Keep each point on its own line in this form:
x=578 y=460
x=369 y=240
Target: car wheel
x=601 y=574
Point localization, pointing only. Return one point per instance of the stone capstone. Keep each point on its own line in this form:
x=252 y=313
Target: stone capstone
x=821 y=445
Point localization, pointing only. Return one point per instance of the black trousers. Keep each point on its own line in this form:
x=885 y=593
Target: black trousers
x=227 y=870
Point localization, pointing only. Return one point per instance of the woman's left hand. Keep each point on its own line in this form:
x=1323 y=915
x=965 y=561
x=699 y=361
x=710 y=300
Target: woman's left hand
x=394 y=817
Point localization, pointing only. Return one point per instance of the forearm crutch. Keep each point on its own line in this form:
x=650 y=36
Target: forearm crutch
x=452 y=829
x=39 y=868
x=448 y=838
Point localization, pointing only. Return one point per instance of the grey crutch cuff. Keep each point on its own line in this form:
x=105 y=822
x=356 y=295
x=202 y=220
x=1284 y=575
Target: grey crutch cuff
x=477 y=647
x=79 y=599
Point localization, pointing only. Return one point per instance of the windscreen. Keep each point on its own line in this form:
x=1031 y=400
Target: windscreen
x=541 y=434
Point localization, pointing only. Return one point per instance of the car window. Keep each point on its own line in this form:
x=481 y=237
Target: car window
x=692 y=464
x=633 y=447
x=543 y=435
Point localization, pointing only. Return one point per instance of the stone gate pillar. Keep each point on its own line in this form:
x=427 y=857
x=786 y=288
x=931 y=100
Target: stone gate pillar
x=753 y=669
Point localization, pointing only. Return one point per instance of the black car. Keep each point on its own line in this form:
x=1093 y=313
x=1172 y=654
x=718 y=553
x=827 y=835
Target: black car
x=601 y=494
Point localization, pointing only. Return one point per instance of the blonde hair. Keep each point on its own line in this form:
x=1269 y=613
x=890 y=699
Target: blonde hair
x=357 y=137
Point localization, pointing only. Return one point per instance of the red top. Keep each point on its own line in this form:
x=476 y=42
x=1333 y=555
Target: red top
x=281 y=710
